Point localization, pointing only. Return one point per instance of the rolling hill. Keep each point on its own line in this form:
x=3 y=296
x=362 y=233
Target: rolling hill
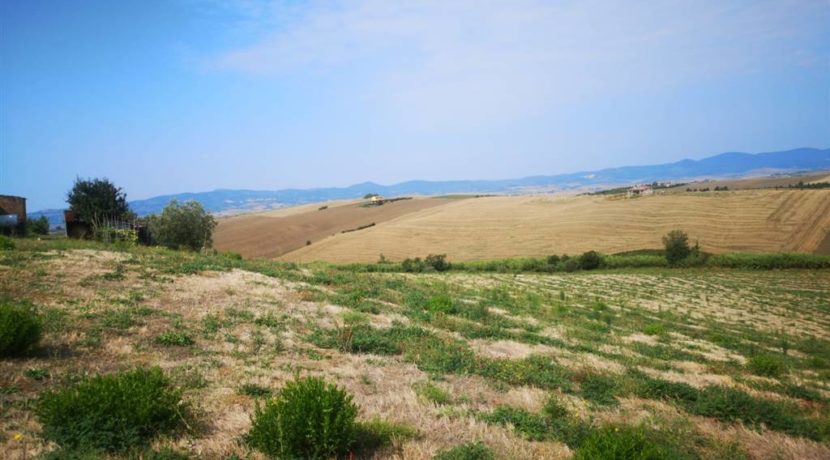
x=724 y=165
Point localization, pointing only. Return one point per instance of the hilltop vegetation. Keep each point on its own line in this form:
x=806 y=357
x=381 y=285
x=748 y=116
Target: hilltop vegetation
x=678 y=362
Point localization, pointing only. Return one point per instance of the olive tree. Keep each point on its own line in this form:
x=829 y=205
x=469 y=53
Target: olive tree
x=183 y=226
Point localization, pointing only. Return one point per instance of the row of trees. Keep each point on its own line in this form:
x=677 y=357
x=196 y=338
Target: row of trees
x=100 y=203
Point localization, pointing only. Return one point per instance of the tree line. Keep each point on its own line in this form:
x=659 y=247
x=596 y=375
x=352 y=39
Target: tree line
x=103 y=206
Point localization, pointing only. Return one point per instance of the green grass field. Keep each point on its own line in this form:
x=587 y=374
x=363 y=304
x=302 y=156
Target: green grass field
x=704 y=362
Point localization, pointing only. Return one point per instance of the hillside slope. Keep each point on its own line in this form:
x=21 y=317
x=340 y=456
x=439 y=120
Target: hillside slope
x=500 y=227
x=274 y=233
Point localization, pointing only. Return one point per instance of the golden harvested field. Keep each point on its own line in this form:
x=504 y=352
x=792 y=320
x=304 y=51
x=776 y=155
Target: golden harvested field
x=757 y=182
x=275 y=233
x=503 y=227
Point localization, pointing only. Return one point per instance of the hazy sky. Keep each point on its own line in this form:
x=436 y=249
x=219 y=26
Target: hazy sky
x=193 y=95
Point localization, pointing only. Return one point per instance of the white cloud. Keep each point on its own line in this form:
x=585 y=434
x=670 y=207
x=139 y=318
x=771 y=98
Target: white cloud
x=463 y=63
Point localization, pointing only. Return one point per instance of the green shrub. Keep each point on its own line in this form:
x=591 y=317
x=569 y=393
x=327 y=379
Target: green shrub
x=469 y=451
x=677 y=247
x=20 y=329
x=571 y=265
x=767 y=366
x=625 y=443
x=111 y=412
x=6 y=243
x=185 y=226
x=438 y=262
x=308 y=418
x=590 y=260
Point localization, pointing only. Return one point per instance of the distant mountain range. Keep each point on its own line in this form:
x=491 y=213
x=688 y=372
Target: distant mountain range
x=732 y=164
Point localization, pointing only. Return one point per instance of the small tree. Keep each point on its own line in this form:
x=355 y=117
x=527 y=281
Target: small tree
x=677 y=247
x=185 y=225
x=94 y=200
x=39 y=226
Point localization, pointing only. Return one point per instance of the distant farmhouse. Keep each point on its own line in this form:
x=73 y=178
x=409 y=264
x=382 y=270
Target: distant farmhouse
x=647 y=189
x=639 y=190
x=12 y=215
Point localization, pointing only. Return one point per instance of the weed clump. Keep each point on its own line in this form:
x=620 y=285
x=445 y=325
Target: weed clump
x=6 y=243
x=468 y=451
x=111 y=412
x=20 y=329
x=174 y=339
x=625 y=443
x=308 y=418
x=767 y=366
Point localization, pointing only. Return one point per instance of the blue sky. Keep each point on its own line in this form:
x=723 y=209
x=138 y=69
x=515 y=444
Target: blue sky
x=194 y=95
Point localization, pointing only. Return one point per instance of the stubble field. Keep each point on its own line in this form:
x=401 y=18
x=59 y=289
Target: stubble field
x=527 y=226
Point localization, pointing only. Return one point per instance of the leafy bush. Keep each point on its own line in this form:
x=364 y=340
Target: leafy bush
x=186 y=226
x=20 y=329
x=677 y=247
x=111 y=412
x=308 y=418
x=469 y=451
x=6 y=243
x=571 y=265
x=767 y=366
x=625 y=443
x=590 y=260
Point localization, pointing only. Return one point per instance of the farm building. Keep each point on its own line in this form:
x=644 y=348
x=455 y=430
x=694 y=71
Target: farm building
x=75 y=227
x=12 y=214
x=639 y=190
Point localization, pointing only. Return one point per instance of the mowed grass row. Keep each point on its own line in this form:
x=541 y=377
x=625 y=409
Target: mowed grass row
x=687 y=347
